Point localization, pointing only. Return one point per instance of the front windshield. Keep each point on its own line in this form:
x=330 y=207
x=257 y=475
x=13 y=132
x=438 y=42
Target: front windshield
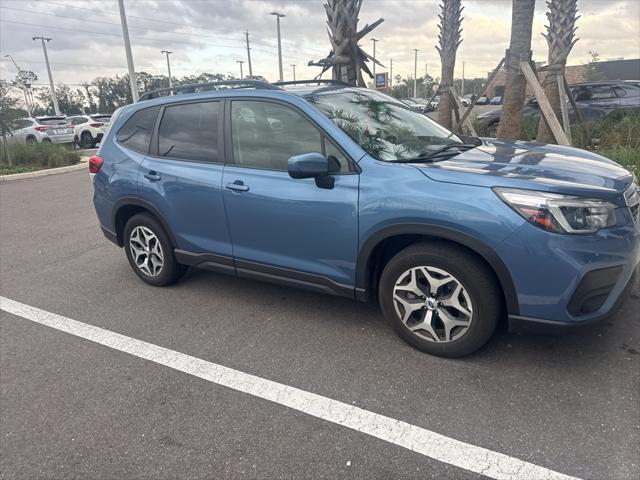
x=386 y=128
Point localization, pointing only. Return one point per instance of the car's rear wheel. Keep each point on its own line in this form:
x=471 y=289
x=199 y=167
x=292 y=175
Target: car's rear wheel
x=86 y=140
x=440 y=299
x=31 y=141
x=150 y=252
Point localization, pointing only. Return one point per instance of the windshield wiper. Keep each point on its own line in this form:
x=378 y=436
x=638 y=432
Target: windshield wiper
x=429 y=156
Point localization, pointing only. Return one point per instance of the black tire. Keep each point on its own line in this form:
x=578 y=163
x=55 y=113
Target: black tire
x=474 y=276
x=31 y=141
x=171 y=270
x=86 y=140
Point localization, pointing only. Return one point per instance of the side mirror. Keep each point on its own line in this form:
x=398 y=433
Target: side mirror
x=308 y=165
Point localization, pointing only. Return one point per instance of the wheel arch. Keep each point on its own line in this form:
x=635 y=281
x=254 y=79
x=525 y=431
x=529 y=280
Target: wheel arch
x=371 y=257
x=127 y=207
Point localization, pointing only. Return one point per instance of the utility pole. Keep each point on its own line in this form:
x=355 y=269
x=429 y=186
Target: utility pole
x=56 y=108
x=293 y=65
x=415 y=72
x=391 y=73
x=248 y=54
x=24 y=86
x=374 y=40
x=240 y=62
x=167 y=53
x=278 y=17
x=127 y=48
x=462 y=89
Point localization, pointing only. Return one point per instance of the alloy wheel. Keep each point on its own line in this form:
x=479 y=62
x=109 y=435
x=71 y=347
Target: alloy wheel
x=146 y=251
x=433 y=304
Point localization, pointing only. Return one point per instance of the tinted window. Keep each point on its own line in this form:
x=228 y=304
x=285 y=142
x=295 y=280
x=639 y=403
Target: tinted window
x=190 y=131
x=628 y=91
x=101 y=118
x=136 y=132
x=337 y=161
x=594 y=93
x=266 y=135
x=52 y=121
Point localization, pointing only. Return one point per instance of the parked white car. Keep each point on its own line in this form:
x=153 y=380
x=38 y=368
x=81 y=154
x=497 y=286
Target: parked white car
x=89 y=129
x=52 y=129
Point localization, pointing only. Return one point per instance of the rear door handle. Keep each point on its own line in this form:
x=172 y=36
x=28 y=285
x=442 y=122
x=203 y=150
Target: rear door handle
x=153 y=176
x=237 y=186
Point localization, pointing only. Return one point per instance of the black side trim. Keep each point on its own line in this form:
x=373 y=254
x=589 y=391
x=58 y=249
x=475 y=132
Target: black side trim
x=363 y=274
x=111 y=236
x=294 y=278
x=126 y=201
x=593 y=290
x=208 y=261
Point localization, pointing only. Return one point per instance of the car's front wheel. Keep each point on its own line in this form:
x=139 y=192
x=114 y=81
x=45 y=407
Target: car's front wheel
x=440 y=299
x=150 y=252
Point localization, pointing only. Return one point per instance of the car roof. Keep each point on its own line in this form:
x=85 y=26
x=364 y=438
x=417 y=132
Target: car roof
x=605 y=83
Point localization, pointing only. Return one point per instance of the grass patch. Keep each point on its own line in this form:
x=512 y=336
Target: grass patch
x=28 y=158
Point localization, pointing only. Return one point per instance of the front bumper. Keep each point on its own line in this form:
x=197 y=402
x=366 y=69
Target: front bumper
x=569 y=280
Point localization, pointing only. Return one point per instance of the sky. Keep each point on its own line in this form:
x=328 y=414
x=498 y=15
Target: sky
x=208 y=35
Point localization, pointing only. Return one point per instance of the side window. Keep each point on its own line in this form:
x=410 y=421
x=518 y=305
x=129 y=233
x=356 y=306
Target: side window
x=600 y=93
x=189 y=131
x=136 y=132
x=338 y=163
x=266 y=135
x=628 y=91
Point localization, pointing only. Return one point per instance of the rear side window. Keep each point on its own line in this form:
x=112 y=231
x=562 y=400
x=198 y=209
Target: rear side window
x=136 y=132
x=189 y=131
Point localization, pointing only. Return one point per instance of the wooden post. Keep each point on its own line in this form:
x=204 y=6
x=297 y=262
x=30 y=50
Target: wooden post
x=575 y=106
x=484 y=90
x=545 y=106
x=563 y=108
x=456 y=100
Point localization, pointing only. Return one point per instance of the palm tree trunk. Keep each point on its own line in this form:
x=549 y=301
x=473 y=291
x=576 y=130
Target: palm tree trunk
x=516 y=85
x=561 y=30
x=449 y=40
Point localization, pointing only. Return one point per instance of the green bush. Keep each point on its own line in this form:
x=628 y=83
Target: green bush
x=628 y=157
x=36 y=157
x=617 y=130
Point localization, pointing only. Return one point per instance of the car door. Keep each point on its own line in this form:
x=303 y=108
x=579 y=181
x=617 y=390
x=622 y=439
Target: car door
x=596 y=101
x=282 y=228
x=182 y=176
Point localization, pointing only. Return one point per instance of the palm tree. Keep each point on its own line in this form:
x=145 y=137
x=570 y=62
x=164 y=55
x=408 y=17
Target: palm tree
x=560 y=37
x=449 y=39
x=516 y=85
x=346 y=59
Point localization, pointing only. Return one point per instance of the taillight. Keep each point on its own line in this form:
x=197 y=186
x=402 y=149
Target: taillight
x=41 y=129
x=95 y=164
x=96 y=125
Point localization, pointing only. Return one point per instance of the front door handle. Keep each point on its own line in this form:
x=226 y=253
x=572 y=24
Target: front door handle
x=237 y=186
x=153 y=176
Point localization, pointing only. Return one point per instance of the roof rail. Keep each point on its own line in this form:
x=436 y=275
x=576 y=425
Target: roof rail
x=313 y=82
x=198 y=87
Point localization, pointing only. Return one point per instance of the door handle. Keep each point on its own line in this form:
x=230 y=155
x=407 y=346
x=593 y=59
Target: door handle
x=153 y=176
x=237 y=186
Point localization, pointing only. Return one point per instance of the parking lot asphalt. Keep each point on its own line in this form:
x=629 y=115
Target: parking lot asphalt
x=74 y=409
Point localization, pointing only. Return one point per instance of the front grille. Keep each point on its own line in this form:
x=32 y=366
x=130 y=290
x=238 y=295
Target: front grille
x=632 y=197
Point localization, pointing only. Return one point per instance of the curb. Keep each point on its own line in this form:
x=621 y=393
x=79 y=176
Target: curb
x=45 y=173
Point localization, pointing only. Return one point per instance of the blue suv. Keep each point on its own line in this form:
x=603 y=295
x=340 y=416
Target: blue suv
x=348 y=191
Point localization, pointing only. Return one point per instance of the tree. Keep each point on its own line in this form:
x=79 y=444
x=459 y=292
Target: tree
x=592 y=70
x=560 y=37
x=24 y=80
x=346 y=59
x=449 y=39
x=516 y=85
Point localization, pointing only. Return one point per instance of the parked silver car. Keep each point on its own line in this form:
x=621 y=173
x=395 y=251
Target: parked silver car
x=53 y=129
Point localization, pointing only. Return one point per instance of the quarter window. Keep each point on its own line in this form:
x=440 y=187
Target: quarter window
x=266 y=135
x=136 y=132
x=189 y=131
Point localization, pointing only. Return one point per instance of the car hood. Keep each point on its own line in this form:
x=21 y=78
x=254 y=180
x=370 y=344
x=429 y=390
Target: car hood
x=531 y=165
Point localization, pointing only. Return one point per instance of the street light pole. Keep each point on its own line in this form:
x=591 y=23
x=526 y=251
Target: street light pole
x=391 y=73
x=167 y=53
x=293 y=65
x=127 y=48
x=56 y=108
x=240 y=62
x=24 y=87
x=249 y=54
x=374 y=40
x=278 y=16
x=415 y=73
x=462 y=94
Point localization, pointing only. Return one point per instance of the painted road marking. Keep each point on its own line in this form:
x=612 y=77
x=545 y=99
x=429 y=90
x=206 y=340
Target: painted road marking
x=420 y=440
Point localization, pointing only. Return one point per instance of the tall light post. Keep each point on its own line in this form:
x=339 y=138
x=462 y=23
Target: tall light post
x=24 y=86
x=374 y=40
x=415 y=73
x=167 y=53
x=240 y=62
x=278 y=17
x=127 y=48
x=56 y=108
x=248 y=53
x=462 y=94
x=293 y=65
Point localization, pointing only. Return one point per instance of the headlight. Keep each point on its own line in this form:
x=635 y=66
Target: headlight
x=560 y=213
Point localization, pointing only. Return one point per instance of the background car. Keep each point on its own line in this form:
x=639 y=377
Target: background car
x=483 y=101
x=89 y=129
x=496 y=101
x=53 y=129
x=418 y=107
x=467 y=99
x=596 y=101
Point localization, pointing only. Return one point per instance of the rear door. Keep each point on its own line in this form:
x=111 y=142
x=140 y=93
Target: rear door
x=182 y=176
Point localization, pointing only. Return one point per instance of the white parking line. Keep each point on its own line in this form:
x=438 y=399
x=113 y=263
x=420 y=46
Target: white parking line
x=430 y=444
